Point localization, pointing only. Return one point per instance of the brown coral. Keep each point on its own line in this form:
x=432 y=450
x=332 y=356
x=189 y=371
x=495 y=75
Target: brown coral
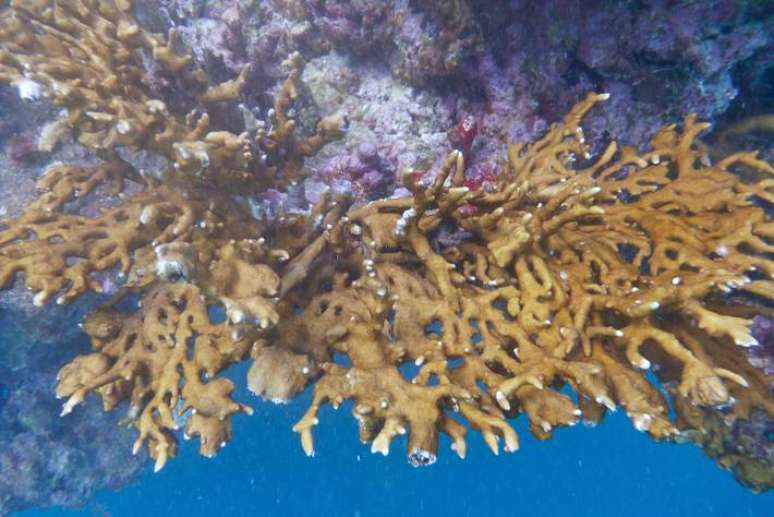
x=578 y=271
x=181 y=241
x=574 y=270
x=90 y=57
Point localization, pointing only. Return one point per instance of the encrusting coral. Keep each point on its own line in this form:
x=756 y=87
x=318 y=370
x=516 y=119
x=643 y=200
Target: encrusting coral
x=567 y=270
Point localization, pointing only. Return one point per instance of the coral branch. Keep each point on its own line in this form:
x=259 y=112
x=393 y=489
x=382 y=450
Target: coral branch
x=184 y=239
x=573 y=272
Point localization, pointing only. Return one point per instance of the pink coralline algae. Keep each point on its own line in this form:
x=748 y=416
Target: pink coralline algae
x=219 y=38
x=358 y=25
x=515 y=66
x=754 y=437
x=464 y=132
x=762 y=355
x=21 y=147
x=365 y=174
x=542 y=56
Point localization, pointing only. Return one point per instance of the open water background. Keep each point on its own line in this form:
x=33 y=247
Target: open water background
x=609 y=470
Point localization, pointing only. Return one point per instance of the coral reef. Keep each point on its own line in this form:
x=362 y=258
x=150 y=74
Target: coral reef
x=192 y=222
x=391 y=127
x=762 y=356
x=742 y=446
x=421 y=41
x=549 y=281
x=574 y=271
x=660 y=62
x=514 y=66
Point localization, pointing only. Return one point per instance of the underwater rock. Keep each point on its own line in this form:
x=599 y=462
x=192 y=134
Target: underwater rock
x=541 y=56
x=762 y=355
x=515 y=66
x=46 y=460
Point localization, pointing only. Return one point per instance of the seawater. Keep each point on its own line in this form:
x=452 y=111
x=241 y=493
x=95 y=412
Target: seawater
x=607 y=470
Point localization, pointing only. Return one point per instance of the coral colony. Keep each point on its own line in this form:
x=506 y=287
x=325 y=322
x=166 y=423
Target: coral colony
x=570 y=267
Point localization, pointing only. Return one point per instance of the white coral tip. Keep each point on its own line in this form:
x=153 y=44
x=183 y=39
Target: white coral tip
x=502 y=400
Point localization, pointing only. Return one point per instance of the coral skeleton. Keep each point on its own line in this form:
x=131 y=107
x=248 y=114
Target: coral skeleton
x=570 y=269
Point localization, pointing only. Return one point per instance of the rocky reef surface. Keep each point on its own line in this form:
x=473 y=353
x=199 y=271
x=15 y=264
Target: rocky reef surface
x=515 y=66
x=45 y=460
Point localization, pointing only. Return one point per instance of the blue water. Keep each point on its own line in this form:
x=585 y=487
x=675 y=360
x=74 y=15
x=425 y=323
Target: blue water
x=609 y=470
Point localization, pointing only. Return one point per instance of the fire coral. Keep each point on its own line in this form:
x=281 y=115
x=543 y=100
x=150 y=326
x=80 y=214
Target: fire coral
x=574 y=269
x=183 y=240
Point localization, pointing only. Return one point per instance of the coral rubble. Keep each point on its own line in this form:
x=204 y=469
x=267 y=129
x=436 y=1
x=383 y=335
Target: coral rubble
x=569 y=269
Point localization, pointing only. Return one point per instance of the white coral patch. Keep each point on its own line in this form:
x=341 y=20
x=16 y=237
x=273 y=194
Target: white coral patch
x=29 y=90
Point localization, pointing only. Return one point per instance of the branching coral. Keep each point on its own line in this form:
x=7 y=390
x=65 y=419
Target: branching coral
x=183 y=240
x=91 y=57
x=567 y=270
x=575 y=271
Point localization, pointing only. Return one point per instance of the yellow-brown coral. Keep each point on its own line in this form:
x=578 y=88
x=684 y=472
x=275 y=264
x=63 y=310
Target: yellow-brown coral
x=179 y=239
x=574 y=270
x=89 y=56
